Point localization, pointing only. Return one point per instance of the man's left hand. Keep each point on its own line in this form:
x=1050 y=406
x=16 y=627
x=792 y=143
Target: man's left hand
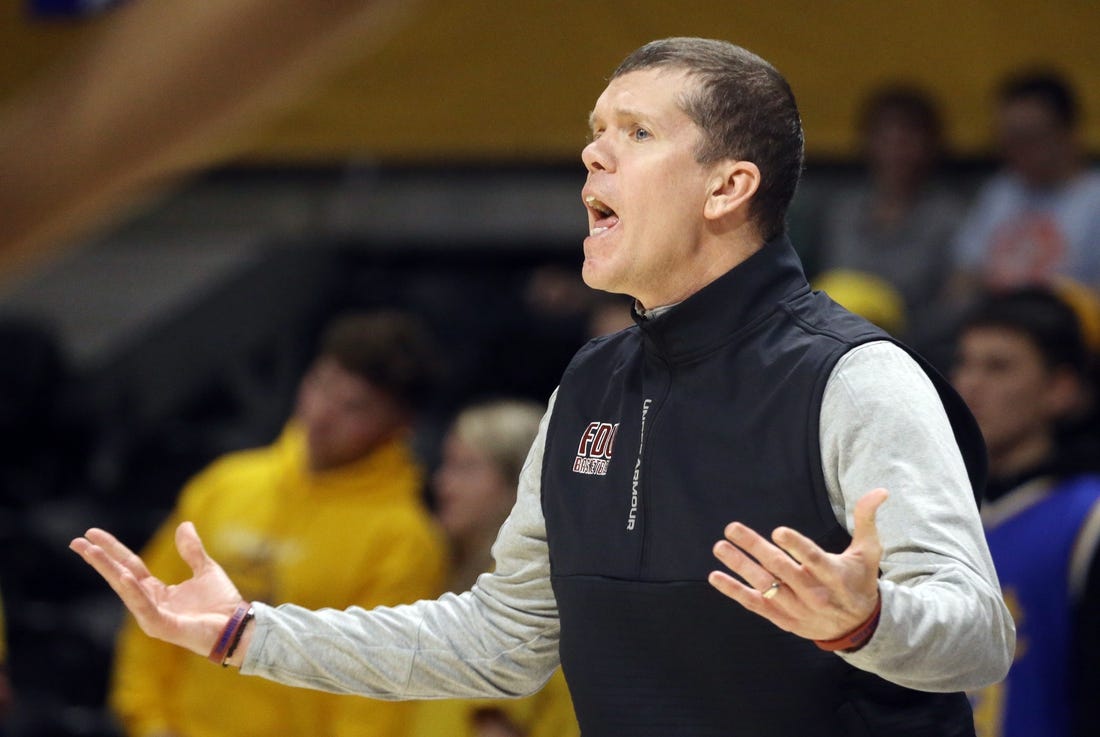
x=820 y=595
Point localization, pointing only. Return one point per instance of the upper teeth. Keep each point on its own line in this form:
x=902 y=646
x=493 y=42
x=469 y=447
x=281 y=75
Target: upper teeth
x=595 y=204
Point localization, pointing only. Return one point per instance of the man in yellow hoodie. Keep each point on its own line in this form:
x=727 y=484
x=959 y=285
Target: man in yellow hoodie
x=329 y=514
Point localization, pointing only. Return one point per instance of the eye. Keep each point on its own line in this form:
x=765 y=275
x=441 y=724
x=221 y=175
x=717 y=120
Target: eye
x=640 y=134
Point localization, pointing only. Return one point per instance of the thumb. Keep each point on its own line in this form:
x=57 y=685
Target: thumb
x=190 y=547
x=865 y=534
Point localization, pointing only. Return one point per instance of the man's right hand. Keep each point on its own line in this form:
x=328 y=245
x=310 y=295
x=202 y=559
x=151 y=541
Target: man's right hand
x=191 y=614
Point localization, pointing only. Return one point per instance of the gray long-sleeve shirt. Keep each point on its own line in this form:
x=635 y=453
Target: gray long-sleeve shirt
x=944 y=625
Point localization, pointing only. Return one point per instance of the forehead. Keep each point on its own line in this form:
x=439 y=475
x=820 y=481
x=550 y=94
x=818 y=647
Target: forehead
x=331 y=375
x=653 y=92
x=1027 y=111
x=456 y=442
x=1002 y=340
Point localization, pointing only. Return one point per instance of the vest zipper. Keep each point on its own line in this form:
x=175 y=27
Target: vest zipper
x=649 y=423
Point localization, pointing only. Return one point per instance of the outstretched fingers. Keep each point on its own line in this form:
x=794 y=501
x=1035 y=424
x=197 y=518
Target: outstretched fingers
x=813 y=560
x=744 y=595
x=118 y=576
x=118 y=552
x=746 y=568
x=762 y=561
x=793 y=582
x=762 y=577
x=190 y=548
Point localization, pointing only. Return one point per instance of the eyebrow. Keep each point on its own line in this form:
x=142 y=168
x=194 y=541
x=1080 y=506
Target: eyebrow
x=617 y=113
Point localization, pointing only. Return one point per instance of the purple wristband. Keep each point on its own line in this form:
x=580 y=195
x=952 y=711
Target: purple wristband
x=229 y=634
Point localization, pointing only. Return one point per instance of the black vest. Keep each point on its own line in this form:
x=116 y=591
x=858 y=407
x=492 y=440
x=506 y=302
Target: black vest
x=661 y=435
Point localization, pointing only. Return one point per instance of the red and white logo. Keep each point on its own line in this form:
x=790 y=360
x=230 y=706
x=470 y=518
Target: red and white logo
x=594 y=451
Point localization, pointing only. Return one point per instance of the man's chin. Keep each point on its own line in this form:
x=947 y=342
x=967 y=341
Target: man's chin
x=596 y=277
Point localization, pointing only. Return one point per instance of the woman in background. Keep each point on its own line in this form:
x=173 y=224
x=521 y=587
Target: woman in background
x=475 y=488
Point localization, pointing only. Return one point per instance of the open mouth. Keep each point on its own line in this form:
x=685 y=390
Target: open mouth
x=604 y=217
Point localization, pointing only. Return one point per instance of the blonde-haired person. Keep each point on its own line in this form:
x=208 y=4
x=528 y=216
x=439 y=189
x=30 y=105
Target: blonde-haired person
x=475 y=487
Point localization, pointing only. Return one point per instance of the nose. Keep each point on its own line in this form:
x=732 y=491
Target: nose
x=596 y=156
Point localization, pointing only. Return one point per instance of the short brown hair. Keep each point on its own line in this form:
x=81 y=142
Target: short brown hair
x=911 y=104
x=392 y=350
x=1047 y=87
x=746 y=111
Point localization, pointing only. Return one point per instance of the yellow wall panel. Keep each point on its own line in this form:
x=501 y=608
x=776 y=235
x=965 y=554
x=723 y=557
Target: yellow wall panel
x=482 y=80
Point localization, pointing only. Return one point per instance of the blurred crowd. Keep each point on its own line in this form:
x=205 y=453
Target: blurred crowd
x=999 y=289
x=913 y=248
x=409 y=427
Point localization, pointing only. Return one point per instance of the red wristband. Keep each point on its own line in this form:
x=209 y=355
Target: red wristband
x=231 y=634
x=858 y=637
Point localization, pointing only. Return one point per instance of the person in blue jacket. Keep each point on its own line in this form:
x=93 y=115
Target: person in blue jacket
x=1021 y=367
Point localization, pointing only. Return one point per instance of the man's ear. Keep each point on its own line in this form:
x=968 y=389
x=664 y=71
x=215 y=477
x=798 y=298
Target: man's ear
x=732 y=188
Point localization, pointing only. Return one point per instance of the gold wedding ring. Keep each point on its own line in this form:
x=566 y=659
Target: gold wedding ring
x=772 y=590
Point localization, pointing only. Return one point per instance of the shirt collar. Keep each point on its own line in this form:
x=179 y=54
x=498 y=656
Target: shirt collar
x=719 y=311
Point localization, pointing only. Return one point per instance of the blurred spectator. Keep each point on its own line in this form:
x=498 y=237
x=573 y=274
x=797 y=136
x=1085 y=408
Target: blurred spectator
x=1086 y=304
x=1021 y=364
x=330 y=515
x=1040 y=215
x=871 y=297
x=475 y=485
x=898 y=224
x=475 y=489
